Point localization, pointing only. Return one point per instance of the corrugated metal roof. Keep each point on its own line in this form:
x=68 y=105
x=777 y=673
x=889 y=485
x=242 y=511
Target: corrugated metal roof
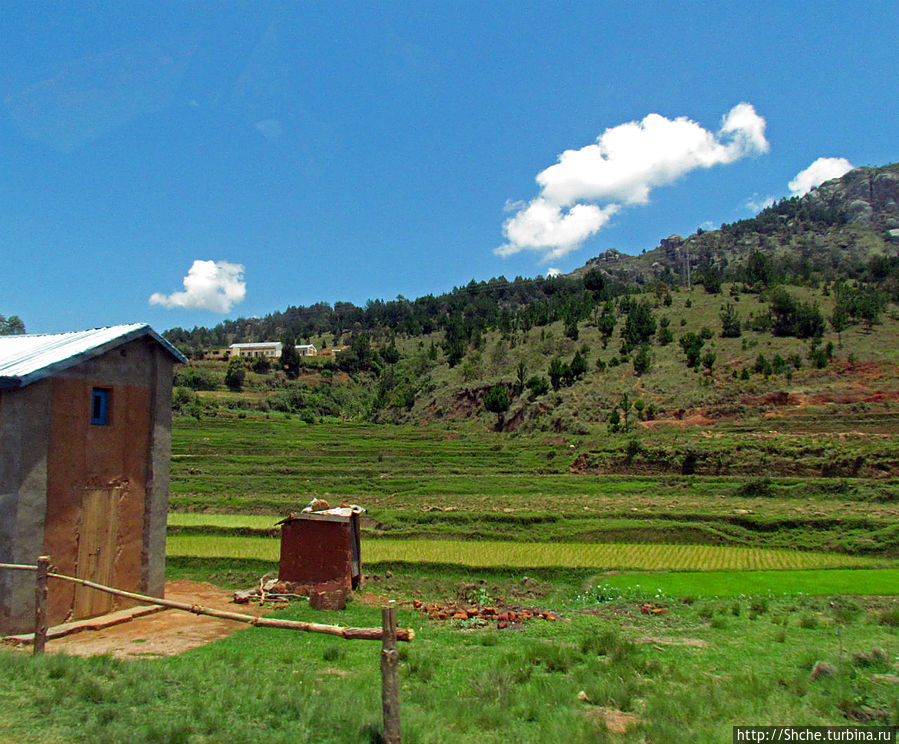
x=335 y=514
x=27 y=358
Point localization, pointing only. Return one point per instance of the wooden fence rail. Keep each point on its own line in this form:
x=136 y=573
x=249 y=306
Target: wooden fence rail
x=350 y=634
x=388 y=633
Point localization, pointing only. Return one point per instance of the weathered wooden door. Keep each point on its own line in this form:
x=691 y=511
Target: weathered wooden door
x=97 y=533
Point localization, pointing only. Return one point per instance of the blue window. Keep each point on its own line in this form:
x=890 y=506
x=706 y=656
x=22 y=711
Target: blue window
x=100 y=406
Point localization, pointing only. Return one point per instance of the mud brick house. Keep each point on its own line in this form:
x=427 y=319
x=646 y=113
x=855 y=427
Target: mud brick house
x=85 y=440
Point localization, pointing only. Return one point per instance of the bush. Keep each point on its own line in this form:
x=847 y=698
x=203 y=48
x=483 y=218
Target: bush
x=633 y=449
x=182 y=397
x=642 y=360
x=640 y=325
x=808 y=621
x=762 y=366
x=578 y=365
x=196 y=379
x=756 y=488
x=792 y=318
x=730 y=322
x=692 y=344
x=817 y=355
x=261 y=365
x=236 y=374
x=614 y=421
x=537 y=386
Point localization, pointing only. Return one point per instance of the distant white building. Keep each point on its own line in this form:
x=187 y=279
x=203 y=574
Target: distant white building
x=306 y=350
x=268 y=349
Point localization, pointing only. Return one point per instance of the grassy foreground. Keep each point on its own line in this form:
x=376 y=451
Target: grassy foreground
x=685 y=676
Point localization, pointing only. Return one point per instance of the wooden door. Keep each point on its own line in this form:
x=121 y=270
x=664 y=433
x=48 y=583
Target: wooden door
x=97 y=534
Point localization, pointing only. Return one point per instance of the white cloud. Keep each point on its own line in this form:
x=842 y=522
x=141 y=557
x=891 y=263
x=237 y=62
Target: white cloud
x=209 y=285
x=823 y=169
x=756 y=203
x=621 y=168
x=547 y=227
x=551 y=272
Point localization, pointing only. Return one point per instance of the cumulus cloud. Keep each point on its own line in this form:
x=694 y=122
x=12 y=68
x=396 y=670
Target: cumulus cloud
x=620 y=169
x=823 y=169
x=209 y=285
x=756 y=203
x=552 y=230
x=552 y=272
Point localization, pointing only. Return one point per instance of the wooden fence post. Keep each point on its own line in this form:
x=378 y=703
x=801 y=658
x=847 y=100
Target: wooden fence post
x=390 y=689
x=40 y=605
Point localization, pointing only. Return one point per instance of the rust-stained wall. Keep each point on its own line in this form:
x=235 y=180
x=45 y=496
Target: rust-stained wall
x=84 y=455
x=50 y=453
x=315 y=552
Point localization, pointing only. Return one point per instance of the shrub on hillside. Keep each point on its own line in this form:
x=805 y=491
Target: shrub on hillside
x=756 y=488
x=692 y=344
x=730 y=322
x=642 y=360
x=196 y=378
x=537 y=386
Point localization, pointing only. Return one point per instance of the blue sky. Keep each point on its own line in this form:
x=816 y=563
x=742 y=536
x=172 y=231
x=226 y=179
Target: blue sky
x=281 y=154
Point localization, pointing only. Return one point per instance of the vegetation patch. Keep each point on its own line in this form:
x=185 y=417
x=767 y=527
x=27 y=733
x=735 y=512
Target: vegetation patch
x=524 y=555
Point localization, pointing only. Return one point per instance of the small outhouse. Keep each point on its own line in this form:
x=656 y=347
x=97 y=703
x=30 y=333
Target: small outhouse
x=85 y=441
x=322 y=547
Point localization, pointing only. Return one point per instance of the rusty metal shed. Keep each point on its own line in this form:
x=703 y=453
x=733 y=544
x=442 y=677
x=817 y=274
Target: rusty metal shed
x=322 y=547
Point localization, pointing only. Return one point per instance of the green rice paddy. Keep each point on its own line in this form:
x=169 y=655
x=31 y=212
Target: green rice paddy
x=537 y=555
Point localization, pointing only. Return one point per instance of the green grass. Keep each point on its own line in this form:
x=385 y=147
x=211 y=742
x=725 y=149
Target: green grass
x=526 y=555
x=687 y=677
x=277 y=465
x=229 y=521
x=830 y=582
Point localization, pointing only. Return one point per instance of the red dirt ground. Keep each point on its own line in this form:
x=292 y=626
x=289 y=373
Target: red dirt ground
x=162 y=634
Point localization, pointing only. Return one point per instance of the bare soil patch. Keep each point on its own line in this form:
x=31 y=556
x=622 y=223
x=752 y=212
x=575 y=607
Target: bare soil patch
x=694 y=419
x=165 y=633
x=616 y=721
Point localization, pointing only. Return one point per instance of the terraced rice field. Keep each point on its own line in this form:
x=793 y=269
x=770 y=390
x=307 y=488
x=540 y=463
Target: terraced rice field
x=536 y=555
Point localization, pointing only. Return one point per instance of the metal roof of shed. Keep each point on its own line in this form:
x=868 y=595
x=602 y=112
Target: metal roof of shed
x=335 y=514
x=28 y=358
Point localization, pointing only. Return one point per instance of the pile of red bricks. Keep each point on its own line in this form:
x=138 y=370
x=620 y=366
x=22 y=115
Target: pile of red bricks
x=652 y=610
x=503 y=617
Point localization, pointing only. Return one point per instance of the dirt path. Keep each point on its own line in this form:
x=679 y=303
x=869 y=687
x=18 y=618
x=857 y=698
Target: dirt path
x=164 y=633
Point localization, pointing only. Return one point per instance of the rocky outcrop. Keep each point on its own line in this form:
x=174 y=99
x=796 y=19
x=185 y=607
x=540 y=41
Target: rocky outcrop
x=867 y=196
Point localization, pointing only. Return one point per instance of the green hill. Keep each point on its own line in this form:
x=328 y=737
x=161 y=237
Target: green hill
x=786 y=321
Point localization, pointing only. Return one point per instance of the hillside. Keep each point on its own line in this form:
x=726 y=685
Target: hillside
x=835 y=232
x=824 y=235
x=788 y=325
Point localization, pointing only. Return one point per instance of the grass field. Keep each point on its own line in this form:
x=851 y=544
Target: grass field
x=534 y=555
x=745 y=622
x=433 y=483
x=820 y=583
x=683 y=677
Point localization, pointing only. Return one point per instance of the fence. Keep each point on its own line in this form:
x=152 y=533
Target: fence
x=388 y=633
